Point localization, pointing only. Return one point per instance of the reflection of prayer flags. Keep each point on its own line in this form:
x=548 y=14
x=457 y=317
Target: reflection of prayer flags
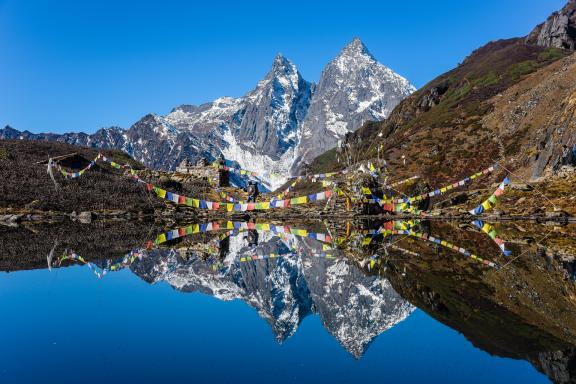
x=250 y=206
x=161 y=238
x=162 y=193
x=266 y=205
x=486 y=205
x=229 y=207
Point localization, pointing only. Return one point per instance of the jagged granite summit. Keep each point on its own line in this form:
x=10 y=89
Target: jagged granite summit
x=282 y=123
x=354 y=88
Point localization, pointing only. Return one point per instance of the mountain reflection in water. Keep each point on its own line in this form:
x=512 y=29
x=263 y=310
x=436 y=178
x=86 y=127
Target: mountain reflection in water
x=509 y=288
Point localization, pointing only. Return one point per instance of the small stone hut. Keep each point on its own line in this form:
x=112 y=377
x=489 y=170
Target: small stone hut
x=203 y=169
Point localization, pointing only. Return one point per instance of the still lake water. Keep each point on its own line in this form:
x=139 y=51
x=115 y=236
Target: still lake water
x=172 y=314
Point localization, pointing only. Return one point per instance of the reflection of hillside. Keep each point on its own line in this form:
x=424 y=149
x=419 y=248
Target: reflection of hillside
x=361 y=278
x=27 y=248
x=527 y=310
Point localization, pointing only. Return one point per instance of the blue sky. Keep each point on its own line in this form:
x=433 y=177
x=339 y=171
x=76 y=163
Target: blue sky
x=82 y=65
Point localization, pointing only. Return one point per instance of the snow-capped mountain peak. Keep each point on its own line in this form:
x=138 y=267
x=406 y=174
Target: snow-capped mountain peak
x=353 y=88
x=282 y=123
x=355 y=48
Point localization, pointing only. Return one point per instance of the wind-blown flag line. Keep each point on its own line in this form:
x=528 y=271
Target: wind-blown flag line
x=239 y=225
x=212 y=205
x=78 y=173
x=491 y=232
x=442 y=190
x=491 y=201
x=444 y=243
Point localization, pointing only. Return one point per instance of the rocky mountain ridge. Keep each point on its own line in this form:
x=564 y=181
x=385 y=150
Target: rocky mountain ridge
x=274 y=129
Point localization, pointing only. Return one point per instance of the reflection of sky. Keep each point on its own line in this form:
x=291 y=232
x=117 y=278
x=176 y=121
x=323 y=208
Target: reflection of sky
x=66 y=326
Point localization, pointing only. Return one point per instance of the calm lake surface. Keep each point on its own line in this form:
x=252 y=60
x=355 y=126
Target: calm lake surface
x=276 y=304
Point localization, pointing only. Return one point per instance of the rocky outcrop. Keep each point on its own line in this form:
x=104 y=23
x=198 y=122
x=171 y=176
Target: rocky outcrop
x=559 y=366
x=558 y=31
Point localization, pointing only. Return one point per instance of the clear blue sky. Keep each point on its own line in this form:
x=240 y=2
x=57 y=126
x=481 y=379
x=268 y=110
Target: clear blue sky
x=82 y=65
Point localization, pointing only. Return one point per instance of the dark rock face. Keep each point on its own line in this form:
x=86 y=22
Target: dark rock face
x=559 y=366
x=558 y=31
